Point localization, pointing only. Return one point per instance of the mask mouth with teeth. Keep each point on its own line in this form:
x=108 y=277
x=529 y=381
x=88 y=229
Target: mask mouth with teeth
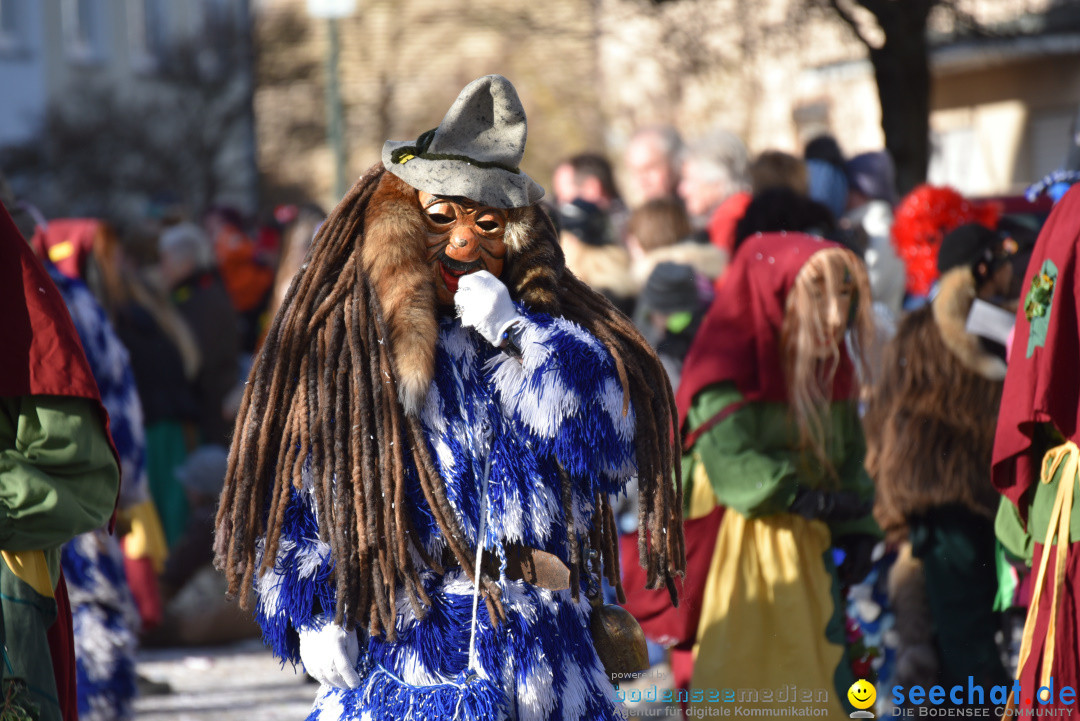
x=463 y=236
x=452 y=270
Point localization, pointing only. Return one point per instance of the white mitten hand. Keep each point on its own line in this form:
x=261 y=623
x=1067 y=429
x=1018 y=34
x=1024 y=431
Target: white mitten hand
x=483 y=303
x=329 y=654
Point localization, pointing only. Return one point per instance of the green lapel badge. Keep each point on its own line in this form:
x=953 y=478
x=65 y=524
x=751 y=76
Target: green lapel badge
x=1037 y=305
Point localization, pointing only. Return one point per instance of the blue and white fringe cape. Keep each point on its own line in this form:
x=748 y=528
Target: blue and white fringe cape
x=103 y=611
x=560 y=404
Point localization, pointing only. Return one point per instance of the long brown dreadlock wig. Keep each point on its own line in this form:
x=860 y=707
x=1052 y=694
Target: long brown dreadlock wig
x=354 y=340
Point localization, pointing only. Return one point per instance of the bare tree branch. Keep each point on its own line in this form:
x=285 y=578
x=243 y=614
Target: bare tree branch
x=850 y=21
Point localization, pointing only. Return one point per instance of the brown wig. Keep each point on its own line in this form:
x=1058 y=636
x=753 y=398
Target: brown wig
x=932 y=414
x=340 y=380
x=810 y=353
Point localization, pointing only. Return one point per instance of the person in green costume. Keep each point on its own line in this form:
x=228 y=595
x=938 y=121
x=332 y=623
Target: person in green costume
x=771 y=432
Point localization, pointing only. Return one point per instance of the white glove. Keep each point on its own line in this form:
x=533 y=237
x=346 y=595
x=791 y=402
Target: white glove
x=329 y=654
x=483 y=303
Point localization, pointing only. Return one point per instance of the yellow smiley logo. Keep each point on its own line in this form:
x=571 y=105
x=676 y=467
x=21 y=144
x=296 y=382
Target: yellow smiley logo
x=862 y=694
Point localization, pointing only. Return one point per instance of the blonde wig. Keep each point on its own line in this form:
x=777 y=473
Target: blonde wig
x=810 y=353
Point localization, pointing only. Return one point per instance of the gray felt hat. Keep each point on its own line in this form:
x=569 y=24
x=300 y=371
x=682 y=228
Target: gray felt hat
x=475 y=151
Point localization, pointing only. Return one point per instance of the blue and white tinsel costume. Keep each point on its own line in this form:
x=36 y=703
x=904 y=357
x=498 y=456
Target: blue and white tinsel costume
x=559 y=404
x=104 y=615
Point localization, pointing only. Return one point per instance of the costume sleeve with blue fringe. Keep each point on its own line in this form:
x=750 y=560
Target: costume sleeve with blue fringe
x=299 y=588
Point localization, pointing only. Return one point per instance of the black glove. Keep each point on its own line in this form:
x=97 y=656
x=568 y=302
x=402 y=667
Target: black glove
x=829 y=505
x=858 y=549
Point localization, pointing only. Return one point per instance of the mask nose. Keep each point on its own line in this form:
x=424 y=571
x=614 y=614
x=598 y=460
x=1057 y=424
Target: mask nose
x=464 y=244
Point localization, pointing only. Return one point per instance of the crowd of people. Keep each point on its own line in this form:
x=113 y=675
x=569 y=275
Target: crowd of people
x=871 y=450
x=167 y=344
x=838 y=494
x=833 y=358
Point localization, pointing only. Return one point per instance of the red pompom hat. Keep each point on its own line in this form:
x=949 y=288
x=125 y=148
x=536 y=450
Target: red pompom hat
x=923 y=218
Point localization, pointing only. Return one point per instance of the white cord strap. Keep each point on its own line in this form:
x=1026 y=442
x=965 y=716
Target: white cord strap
x=480 y=538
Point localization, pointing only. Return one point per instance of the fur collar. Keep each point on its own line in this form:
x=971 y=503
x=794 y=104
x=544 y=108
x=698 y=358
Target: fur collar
x=956 y=293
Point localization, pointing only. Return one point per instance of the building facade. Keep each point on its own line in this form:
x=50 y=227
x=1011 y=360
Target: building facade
x=54 y=53
x=777 y=72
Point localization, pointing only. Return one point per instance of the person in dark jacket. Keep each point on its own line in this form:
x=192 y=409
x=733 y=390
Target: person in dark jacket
x=187 y=267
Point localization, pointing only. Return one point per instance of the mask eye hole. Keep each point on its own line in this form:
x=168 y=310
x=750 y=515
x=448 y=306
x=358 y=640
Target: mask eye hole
x=440 y=212
x=491 y=221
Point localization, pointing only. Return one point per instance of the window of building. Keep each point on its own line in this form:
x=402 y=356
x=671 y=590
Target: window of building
x=84 y=27
x=1047 y=145
x=957 y=159
x=148 y=33
x=811 y=120
x=13 y=29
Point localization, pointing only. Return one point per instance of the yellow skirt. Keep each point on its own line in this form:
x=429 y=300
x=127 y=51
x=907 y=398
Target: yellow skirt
x=768 y=601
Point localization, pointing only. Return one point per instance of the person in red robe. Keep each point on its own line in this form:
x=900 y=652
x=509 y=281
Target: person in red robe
x=54 y=445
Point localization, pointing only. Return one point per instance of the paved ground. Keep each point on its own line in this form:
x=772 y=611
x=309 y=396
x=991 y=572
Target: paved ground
x=243 y=682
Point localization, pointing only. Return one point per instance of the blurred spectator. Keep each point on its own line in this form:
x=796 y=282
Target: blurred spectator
x=197 y=612
x=668 y=313
x=776 y=169
x=111 y=589
x=298 y=233
x=826 y=174
x=163 y=352
x=782 y=209
x=166 y=360
x=1024 y=231
x=593 y=256
x=247 y=274
x=60 y=478
x=671 y=307
x=872 y=177
x=299 y=224
x=564 y=186
x=652 y=160
x=589 y=176
x=714 y=186
x=825 y=148
x=659 y=231
x=871 y=196
x=187 y=268
x=933 y=416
